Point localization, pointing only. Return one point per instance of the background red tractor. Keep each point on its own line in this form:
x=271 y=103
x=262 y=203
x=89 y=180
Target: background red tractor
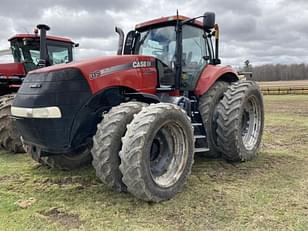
x=30 y=52
x=143 y=114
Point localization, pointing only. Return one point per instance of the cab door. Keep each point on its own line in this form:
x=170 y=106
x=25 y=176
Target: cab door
x=195 y=56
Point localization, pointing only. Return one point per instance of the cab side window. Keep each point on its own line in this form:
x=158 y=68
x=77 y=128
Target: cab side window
x=194 y=52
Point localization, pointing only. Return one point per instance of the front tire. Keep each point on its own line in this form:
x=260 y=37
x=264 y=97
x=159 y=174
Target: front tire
x=107 y=143
x=240 y=121
x=9 y=138
x=66 y=162
x=157 y=152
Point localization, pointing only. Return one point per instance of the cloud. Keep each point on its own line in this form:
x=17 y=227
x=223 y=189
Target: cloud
x=261 y=31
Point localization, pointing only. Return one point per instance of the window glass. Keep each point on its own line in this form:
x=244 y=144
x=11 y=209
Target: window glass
x=57 y=54
x=160 y=43
x=194 y=49
x=35 y=55
x=193 y=59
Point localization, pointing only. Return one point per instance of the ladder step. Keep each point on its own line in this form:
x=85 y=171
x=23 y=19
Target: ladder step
x=199 y=136
x=195 y=112
x=202 y=149
x=196 y=124
x=164 y=89
x=193 y=101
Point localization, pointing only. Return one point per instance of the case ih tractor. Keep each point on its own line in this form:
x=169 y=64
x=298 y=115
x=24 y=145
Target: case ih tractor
x=141 y=115
x=30 y=51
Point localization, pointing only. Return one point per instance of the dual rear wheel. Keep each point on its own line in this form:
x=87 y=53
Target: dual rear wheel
x=233 y=118
x=148 y=150
x=155 y=155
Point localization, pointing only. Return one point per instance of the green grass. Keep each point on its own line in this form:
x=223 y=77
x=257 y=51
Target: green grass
x=268 y=193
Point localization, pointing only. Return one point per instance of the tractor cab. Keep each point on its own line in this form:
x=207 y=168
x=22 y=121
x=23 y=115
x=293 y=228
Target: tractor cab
x=182 y=46
x=30 y=52
x=26 y=49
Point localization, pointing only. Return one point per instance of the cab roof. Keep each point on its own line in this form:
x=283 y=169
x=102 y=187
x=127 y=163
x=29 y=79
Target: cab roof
x=35 y=36
x=165 y=20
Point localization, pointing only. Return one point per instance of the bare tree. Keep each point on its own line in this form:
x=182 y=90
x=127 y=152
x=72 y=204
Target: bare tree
x=276 y=72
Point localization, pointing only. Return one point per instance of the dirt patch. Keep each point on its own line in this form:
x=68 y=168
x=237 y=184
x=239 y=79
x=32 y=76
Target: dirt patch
x=7 y=177
x=84 y=182
x=16 y=178
x=288 y=137
x=223 y=171
x=25 y=203
x=70 y=221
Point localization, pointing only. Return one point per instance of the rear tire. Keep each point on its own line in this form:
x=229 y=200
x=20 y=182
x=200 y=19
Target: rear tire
x=65 y=162
x=208 y=103
x=240 y=121
x=157 y=152
x=107 y=143
x=9 y=138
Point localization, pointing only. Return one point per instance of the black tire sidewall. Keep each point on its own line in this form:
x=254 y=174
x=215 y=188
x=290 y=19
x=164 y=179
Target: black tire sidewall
x=255 y=92
x=211 y=130
x=160 y=121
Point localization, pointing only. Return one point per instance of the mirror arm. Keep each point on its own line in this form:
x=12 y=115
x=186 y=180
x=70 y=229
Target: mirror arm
x=191 y=19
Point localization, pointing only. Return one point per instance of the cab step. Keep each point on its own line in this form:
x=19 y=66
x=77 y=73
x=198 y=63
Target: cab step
x=165 y=89
x=199 y=136
x=202 y=150
x=197 y=124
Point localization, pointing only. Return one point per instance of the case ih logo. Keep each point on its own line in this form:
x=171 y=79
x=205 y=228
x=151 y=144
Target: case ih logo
x=109 y=70
x=137 y=64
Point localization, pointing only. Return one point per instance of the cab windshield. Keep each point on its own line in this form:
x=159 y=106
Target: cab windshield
x=158 y=42
x=29 y=53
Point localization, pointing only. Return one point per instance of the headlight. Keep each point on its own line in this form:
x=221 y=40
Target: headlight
x=42 y=112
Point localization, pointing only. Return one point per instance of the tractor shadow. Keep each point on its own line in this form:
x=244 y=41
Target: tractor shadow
x=219 y=170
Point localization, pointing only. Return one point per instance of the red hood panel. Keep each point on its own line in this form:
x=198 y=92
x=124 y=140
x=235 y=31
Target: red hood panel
x=90 y=65
x=12 y=69
x=132 y=71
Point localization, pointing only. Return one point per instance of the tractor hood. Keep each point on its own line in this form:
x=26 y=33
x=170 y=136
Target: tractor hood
x=12 y=69
x=73 y=94
x=107 y=69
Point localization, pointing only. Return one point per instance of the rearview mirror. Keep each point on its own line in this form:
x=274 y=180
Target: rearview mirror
x=208 y=20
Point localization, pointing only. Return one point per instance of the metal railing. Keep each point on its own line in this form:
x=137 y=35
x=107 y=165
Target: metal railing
x=284 y=90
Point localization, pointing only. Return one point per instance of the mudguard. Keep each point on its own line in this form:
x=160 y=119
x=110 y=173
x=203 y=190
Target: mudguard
x=211 y=74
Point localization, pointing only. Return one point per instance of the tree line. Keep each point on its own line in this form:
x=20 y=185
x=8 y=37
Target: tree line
x=277 y=72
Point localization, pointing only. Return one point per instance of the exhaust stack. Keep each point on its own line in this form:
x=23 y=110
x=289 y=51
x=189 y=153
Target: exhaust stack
x=121 y=40
x=43 y=47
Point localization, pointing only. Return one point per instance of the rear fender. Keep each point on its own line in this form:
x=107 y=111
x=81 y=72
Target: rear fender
x=143 y=97
x=211 y=74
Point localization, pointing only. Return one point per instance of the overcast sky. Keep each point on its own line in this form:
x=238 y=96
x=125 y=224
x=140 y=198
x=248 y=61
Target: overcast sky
x=264 y=31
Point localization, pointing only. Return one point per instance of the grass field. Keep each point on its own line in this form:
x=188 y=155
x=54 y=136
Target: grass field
x=269 y=193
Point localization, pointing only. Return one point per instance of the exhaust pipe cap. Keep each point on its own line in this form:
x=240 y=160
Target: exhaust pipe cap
x=43 y=26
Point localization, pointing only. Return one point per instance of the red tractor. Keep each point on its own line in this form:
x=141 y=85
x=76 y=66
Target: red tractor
x=141 y=115
x=30 y=52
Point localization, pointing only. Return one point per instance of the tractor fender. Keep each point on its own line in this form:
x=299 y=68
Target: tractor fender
x=86 y=120
x=211 y=74
x=143 y=97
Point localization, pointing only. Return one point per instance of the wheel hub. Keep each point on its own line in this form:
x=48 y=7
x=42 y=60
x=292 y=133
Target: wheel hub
x=167 y=160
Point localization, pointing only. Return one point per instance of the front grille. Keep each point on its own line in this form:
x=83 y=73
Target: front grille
x=66 y=89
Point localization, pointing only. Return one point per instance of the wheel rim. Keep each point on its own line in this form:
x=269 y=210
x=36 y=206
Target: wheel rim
x=168 y=155
x=251 y=123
